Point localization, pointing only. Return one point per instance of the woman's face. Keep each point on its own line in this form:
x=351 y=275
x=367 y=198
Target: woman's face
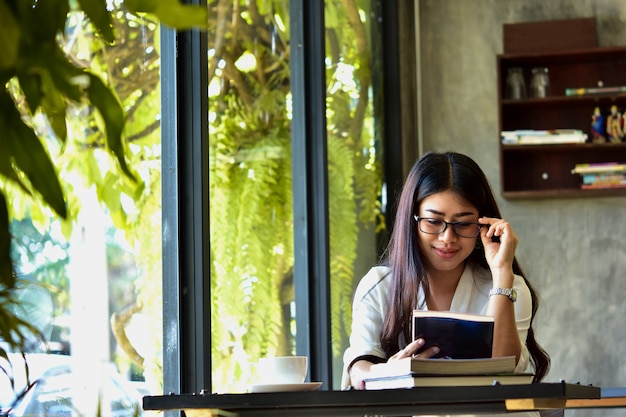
x=446 y=252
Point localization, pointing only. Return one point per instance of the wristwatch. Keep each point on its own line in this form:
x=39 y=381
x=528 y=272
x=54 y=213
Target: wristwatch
x=509 y=292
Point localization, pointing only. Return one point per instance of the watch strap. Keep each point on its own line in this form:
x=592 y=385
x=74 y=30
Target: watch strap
x=511 y=293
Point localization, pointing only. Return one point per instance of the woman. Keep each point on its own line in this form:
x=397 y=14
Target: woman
x=449 y=250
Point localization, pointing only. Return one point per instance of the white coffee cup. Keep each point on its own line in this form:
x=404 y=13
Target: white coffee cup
x=282 y=369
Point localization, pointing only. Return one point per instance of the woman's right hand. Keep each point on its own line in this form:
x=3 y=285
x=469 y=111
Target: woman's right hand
x=412 y=350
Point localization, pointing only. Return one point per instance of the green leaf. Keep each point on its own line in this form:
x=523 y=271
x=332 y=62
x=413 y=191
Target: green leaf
x=66 y=77
x=9 y=37
x=54 y=105
x=100 y=18
x=172 y=13
x=49 y=65
x=113 y=115
x=6 y=168
x=46 y=80
x=6 y=165
x=30 y=156
x=7 y=277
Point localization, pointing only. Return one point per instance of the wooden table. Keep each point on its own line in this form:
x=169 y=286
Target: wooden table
x=399 y=402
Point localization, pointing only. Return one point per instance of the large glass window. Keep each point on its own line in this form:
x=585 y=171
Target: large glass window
x=353 y=75
x=250 y=189
x=94 y=285
x=251 y=214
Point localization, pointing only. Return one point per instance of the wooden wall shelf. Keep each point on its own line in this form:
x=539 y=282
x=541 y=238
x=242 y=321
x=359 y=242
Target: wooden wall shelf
x=544 y=171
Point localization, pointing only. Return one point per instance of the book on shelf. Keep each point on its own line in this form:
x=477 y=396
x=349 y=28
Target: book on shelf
x=458 y=335
x=599 y=167
x=435 y=366
x=415 y=380
x=542 y=137
x=601 y=175
x=600 y=186
x=589 y=91
x=604 y=178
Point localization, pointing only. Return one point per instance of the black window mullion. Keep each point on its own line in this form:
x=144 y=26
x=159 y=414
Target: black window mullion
x=310 y=188
x=392 y=106
x=194 y=210
x=186 y=256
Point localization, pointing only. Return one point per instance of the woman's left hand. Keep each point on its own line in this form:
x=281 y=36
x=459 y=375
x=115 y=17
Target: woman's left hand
x=499 y=254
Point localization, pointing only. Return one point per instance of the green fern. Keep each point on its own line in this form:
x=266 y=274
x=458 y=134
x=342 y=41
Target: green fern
x=250 y=183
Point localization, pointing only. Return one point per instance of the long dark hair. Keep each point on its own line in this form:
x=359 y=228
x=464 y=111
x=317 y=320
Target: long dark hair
x=433 y=173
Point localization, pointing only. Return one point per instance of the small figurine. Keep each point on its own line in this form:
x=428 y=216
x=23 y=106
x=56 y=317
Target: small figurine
x=598 y=129
x=614 y=125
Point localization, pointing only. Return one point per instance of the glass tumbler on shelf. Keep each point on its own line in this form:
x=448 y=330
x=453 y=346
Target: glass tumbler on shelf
x=540 y=82
x=515 y=85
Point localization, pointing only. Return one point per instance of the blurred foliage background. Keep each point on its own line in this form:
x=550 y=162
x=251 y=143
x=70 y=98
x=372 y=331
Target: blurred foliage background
x=81 y=111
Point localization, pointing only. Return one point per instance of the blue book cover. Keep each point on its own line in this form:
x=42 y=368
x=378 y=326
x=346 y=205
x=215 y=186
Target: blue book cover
x=458 y=335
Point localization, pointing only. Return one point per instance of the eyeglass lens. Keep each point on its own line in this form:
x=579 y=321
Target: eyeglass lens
x=437 y=226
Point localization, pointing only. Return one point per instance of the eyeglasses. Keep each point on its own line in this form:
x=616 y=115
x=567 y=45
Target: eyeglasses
x=437 y=226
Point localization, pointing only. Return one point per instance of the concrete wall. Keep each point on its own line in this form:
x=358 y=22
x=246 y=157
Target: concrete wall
x=573 y=250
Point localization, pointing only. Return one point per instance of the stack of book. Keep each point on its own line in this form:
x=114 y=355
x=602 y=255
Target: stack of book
x=601 y=175
x=418 y=372
x=542 y=137
x=465 y=342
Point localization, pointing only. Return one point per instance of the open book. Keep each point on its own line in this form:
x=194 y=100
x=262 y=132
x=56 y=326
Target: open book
x=458 y=335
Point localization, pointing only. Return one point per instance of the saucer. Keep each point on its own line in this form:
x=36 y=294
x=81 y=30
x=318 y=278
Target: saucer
x=305 y=386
